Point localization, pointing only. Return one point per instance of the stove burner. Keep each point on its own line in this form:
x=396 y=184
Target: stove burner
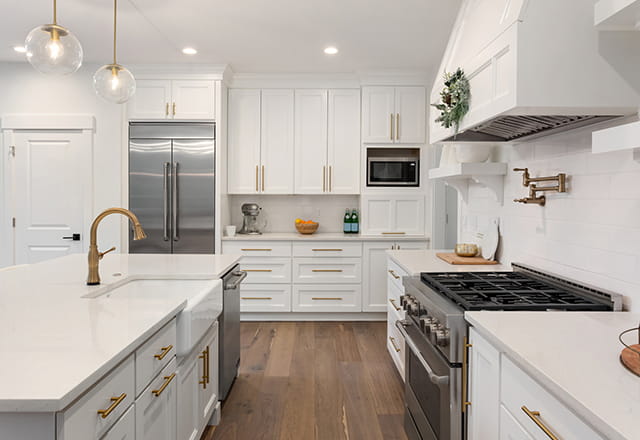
x=506 y=291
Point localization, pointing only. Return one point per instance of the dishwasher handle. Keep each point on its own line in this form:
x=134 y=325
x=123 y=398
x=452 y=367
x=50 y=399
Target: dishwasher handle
x=240 y=275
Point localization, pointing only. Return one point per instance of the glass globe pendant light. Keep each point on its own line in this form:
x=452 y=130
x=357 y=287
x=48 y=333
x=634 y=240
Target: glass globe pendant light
x=112 y=81
x=51 y=48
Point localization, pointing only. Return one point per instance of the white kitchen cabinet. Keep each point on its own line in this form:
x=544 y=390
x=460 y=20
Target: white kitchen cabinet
x=173 y=99
x=243 y=140
x=154 y=355
x=510 y=429
x=326 y=298
x=156 y=407
x=343 y=142
x=125 y=428
x=393 y=214
x=209 y=393
x=265 y=298
x=277 y=141
x=311 y=141
x=483 y=388
x=394 y=115
x=327 y=270
x=395 y=341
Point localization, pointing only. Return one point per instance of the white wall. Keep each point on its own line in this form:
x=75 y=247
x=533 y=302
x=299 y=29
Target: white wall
x=24 y=90
x=591 y=234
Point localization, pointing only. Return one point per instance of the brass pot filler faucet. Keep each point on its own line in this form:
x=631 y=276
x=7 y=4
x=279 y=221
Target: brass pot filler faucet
x=94 y=255
x=527 y=181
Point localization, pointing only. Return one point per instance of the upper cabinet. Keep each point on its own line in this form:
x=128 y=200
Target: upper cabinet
x=243 y=140
x=393 y=115
x=173 y=99
x=276 y=142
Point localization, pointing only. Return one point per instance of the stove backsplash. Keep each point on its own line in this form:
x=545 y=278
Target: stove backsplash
x=590 y=234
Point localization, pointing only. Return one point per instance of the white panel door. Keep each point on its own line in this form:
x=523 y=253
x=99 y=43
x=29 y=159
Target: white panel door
x=411 y=115
x=277 y=142
x=484 y=388
x=209 y=393
x=156 y=409
x=188 y=398
x=193 y=99
x=377 y=215
x=243 y=140
x=510 y=429
x=311 y=141
x=343 y=145
x=152 y=100
x=374 y=277
x=125 y=428
x=408 y=215
x=51 y=192
x=378 y=114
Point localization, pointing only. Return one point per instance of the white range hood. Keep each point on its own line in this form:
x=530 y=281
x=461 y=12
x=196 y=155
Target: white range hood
x=535 y=67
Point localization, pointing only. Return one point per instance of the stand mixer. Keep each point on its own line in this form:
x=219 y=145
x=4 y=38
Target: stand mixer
x=250 y=224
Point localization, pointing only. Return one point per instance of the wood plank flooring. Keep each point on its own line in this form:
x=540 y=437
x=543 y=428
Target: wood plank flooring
x=313 y=380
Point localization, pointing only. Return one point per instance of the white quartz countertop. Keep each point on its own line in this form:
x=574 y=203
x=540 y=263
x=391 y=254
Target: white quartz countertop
x=55 y=342
x=425 y=260
x=323 y=236
x=575 y=356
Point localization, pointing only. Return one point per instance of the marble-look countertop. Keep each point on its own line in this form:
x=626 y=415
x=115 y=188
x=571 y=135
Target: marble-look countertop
x=575 y=356
x=425 y=260
x=323 y=236
x=55 y=341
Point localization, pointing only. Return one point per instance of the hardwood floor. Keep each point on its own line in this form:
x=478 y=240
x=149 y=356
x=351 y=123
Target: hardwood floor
x=313 y=380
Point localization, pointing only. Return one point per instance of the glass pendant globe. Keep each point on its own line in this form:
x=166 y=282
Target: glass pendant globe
x=53 y=49
x=114 y=83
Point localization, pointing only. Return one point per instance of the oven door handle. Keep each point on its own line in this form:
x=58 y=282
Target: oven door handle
x=434 y=378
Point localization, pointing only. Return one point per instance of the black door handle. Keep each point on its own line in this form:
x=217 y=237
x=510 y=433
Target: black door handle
x=74 y=237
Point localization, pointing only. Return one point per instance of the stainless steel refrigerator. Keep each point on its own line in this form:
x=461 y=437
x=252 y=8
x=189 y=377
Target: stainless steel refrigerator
x=172 y=186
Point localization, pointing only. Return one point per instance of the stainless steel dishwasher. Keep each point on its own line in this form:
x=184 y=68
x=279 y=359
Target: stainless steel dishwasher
x=230 y=329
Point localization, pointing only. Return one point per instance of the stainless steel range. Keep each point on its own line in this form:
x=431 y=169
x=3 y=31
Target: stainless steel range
x=435 y=333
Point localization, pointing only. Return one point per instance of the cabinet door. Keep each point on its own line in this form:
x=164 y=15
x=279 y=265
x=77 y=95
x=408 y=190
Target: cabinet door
x=188 y=414
x=125 y=428
x=484 y=389
x=243 y=139
x=209 y=393
x=374 y=292
x=193 y=99
x=311 y=142
x=156 y=407
x=378 y=114
x=408 y=215
x=411 y=115
x=277 y=142
x=377 y=215
x=344 y=141
x=152 y=100
x=510 y=429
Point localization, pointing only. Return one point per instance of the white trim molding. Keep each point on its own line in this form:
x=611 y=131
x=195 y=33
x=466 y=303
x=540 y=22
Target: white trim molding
x=45 y=121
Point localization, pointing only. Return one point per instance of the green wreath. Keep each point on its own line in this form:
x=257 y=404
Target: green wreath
x=455 y=99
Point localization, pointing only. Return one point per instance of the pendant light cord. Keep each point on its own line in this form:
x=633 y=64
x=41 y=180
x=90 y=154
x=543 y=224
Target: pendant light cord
x=115 y=14
x=55 y=12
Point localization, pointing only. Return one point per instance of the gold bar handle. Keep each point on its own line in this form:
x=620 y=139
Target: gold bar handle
x=174 y=108
x=256 y=250
x=394 y=233
x=324 y=179
x=262 y=177
x=257 y=172
x=393 y=274
x=104 y=413
x=395 y=306
x=393 y=342
x=397 y=126
x=204 y=380
x=465 y=371
x=164 y=352
x=326 y=250
x=326 y=270
x=535 y=416
x=326 y=299
x=166 y=109
x=167 y=381
x=208 y=370
x=258 y=270
x=391 y=127
x=257 y=297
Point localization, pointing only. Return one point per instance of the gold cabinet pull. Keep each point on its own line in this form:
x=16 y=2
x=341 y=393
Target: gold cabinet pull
x=465 y=371
x=257 y=297
x=164 y=352
x=324 y=179
x=535 y=416
x=205 y=368
x=393 y=233
x=330 y=178
x=395 y=306
x=166 y=109
x=262 y=177
x=167 y=381
x=397 y=126
x=391 y=127
x=257 y=188
x=326 y=299
x=393 y=274
x=256 y=250
x=258 y=270
x=174 y=108
x=326 y=250
x=208 y=366
x=393 y=342
x=326 y=270
x=104 y=413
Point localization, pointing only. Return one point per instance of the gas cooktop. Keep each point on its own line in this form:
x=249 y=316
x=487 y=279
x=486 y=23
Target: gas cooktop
x=511 y=291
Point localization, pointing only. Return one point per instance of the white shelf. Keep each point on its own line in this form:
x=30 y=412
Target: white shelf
x=621 y=137
x=458 y=176
x=617 y=15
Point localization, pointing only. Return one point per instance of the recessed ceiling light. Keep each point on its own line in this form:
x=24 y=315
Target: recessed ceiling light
x=189 y=51
x=20 y=49
x=331 y=50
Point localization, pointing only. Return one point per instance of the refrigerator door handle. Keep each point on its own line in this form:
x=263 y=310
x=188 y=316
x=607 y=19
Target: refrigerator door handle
x=165 y=202
x=174 y=201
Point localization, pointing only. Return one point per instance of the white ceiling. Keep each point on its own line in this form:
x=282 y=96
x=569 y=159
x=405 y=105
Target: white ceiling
x=249 y=35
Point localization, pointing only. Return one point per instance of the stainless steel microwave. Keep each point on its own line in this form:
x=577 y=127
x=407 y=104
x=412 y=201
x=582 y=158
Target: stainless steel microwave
x=393 y=171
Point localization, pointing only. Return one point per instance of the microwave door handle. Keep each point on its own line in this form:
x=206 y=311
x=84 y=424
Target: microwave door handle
x=434 y=378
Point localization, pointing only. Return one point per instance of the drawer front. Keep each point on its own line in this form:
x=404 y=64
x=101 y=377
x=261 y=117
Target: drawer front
x=266 y=270
x=257 y=248
x=112 y=396
x=154 y=355
x=327 y=249
x=125 y=429
x=156 y=414
x=393 y=299
x=327 y=270
x=510 y=429
x=395 y=341
x=395 y=274
x=327 y=298
x=265 y=298
x=519 y=390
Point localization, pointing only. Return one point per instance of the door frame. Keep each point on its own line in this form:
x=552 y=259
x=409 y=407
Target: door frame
x=11 y=124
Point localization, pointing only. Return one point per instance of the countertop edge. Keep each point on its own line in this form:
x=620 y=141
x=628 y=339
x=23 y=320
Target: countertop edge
x=292 y=236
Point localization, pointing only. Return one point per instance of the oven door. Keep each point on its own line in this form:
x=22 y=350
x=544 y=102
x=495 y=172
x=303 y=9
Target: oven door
x=393 y=172
x=433 y=411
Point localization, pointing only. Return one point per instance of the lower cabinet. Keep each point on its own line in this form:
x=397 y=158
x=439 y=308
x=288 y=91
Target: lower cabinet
x=156 y=407
x=327 y=298
x=484 y=388
x=510 y=429
x=265 y=297
x=197 y=387
x=125 y=428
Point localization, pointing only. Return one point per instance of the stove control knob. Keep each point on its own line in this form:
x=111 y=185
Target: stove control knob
x=414 y=308
x=403 y=300
x=442 y=337
x=433 y=327
x=425 y=322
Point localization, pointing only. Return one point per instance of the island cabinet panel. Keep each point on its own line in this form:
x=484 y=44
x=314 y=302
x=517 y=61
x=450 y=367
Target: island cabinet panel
x=154 y=355
x=125 y=428
x=156 y=407
x=484 y=388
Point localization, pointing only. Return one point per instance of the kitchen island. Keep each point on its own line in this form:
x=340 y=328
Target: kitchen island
x=60 y=337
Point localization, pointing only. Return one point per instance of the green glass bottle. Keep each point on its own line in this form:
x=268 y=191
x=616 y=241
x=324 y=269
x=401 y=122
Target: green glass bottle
x=355 y=222
x=346 y=222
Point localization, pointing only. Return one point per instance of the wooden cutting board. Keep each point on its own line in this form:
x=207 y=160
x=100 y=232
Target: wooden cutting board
x=452 y=258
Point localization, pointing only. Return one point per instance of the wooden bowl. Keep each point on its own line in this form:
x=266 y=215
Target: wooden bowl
x=307 y=228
